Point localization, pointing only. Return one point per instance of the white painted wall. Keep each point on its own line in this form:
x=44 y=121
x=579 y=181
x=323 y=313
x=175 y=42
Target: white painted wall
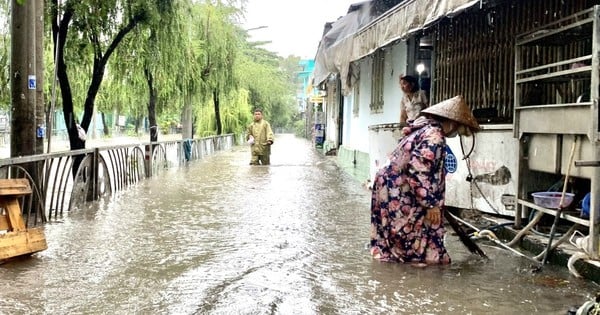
x=356 y=129
x=395 y=65
x=495 y=147
x=348 y=119
x=331 y=121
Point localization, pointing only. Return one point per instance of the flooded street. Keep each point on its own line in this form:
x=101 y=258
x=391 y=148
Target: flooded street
x=222 y=237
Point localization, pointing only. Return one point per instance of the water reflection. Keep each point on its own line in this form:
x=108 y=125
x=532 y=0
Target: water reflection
x=222 y=237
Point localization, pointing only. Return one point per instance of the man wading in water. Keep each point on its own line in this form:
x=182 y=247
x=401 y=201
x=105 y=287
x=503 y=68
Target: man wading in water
x=260 y=137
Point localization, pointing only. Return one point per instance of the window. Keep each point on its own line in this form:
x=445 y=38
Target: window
x=355 y=85
x=377 y=82
x=355 y=98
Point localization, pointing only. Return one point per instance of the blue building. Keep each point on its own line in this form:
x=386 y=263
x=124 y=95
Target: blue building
x=304 y=83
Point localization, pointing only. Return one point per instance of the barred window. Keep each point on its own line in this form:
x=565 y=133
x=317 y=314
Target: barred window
x=377 y=82
x=355 y=98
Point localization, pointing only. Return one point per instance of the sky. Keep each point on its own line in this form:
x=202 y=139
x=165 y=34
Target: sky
x=293 y=27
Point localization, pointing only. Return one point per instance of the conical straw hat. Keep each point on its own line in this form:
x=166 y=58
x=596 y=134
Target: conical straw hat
x=454 y=109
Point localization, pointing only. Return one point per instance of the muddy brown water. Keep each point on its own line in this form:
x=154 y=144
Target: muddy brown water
x=221 y=237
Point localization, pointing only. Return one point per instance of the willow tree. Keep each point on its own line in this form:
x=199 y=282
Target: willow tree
x=285 y=107
x=159 y=70
x=270 y=83
x=4 y=56
x=92 y=30
x=188 y=65
x=220 y=41
x=262 y=80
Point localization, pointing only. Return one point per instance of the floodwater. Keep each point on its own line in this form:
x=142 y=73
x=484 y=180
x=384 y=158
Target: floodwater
x=221 y=237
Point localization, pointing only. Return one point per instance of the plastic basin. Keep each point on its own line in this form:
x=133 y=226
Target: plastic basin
x=551 y=199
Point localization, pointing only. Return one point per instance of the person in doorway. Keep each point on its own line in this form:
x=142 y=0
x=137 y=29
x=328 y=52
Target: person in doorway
x=260 y=137
x=414 y=99
x=408 y=193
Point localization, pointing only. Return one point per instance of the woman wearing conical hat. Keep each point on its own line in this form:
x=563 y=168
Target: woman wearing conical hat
x=408 y=193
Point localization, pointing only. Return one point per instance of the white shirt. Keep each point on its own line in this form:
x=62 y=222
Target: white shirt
x=411 y=106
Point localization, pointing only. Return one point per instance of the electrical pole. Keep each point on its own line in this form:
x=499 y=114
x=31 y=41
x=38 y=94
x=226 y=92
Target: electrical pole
x=22 y=130
x=40 y=114
x=31 y=67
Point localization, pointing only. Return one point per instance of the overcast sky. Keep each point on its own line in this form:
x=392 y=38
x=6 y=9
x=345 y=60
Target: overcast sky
x=293 y=27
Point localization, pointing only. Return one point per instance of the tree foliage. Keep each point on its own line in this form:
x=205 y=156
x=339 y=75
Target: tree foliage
x=158 y=70
x=270 y=84
x=116 y=55
x=4 y=57
x=89 y=32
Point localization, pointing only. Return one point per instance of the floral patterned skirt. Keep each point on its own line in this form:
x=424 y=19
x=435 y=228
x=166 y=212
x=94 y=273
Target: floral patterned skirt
x=399 y=231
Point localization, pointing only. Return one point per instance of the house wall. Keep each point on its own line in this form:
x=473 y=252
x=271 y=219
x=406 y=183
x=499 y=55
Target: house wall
x=332 y=114
x=492 y=166
x=365 y=144
x=357 y=136
x=475 y=54
x=480 y=67
x=370 y=137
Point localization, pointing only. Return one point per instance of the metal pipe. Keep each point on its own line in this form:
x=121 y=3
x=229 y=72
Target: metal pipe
x=560 y=204
x=492 y=237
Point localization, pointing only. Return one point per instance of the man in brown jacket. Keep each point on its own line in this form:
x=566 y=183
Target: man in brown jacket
x=260 y=137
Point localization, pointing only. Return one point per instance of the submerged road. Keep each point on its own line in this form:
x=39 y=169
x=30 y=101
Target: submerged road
x=221 y=237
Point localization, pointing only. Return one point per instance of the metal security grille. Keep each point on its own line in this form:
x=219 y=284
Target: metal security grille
x=377 y=82
x=474 y=52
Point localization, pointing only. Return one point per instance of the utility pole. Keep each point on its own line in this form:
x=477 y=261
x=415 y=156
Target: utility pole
x=40 y=114
x=22 y=130
x=32 y=82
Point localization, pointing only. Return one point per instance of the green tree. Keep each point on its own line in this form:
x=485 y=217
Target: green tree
x=93 y=30
x=220 y=41
x=157 y=56
x=270 y=84
x=4 y=57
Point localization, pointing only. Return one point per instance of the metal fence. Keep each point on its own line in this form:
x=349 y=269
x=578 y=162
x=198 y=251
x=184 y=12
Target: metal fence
x=66 y=180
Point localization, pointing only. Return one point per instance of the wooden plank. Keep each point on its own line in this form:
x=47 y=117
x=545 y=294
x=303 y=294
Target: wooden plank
x=14 y=187
x=4 y=223
x=20 y=243
x=13 y=212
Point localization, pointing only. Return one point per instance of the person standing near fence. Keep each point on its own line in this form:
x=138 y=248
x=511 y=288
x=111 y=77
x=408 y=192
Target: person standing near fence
x=260 y=137
x=409 y=192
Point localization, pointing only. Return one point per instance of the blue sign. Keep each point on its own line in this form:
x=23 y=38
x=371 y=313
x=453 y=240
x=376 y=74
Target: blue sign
x=450 y=163
x=40 y=132
x=31 y=82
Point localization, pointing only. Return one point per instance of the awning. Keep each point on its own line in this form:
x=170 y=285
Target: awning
x=334 y=49
x=403 y=20
x=335 y=55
